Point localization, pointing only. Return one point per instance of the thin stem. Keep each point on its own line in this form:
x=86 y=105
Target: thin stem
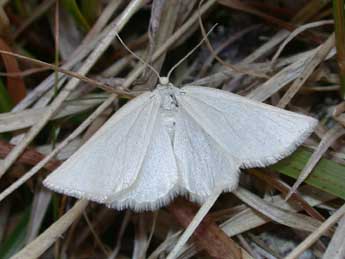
x=190 y=52
x=81 y=77
x=57 y=47
x=135 y=55
x=339 y=18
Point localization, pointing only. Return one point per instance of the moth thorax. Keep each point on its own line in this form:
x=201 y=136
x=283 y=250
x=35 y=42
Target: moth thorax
x=169 y=122
x=169 y=108
x=169 y=102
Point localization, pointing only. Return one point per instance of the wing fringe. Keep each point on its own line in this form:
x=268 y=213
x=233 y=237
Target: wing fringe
x=287 y=150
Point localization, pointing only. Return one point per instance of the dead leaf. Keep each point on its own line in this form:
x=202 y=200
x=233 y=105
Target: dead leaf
x=30 y=156
x=15 y=85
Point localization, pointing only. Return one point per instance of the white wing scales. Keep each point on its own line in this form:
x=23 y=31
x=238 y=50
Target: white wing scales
x=111 y=160
x=157 y=183
x=204 y=166
x=256 y=134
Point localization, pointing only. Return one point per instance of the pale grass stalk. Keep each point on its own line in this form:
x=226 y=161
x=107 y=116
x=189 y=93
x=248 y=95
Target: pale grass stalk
x=71 y=85
x=87 y=45
x=313 y=237
x=199 y=216
x=67 y=72
x=104 y=17
x=3 y=2
x=246 y=220
x=285 y=76
x=295 y=33
x=37 y=247
x=279 y=215
x=95 y=235
x=308 y=68
x=37 y=13
x=336 y=249
x=120 y=234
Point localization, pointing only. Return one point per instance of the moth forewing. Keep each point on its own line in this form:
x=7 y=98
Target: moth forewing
x=110 y=160
x=205 y=167
x=257 y=134
x=157 y=181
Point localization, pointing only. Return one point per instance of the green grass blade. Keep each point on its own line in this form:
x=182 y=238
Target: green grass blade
x=91 y=9
x=328 y=175
x=72 y=7
x=5 y=99
x=16 y=239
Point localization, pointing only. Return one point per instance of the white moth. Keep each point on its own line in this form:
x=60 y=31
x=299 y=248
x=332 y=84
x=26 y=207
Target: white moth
x=191 y=141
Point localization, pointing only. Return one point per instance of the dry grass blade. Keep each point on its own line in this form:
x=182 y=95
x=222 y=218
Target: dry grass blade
x=12 y=121
x=336 y=249
x=164 y=19
x=30 y=156
x=295 y=33
x=202 y=212
x=140 y=239
x=287 y=218
x=25 y=73
x=87 y=45
x=339 y=113
x=37 y=247
x=317 y=233
x=309 y=10
x=72 y=84
x=223 y=46
x=209 y=236
x=72 y=74
x=97 y=238
x=40 y=206
x=328 y=139
x=281 y=79
x=308 y=69
x=249 y=218
x=284 y=188
x=38 y=12
x=120 y=234
x=231 y=67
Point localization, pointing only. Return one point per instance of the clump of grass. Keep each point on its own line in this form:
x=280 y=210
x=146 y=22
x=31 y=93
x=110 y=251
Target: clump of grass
x=75 y=75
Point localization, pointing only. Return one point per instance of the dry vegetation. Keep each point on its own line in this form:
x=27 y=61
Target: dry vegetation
x=290 y=54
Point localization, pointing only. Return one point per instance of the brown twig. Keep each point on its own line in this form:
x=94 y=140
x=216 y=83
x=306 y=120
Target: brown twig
x=15 y=85
x=88 y=80
x=208 y=234
x=30 y=156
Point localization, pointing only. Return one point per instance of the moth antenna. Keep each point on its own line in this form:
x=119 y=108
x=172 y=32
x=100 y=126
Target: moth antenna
x=191 y=52
x=135 y=55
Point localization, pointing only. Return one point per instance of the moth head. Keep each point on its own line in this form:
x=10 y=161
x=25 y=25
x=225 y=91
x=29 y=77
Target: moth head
x=164 y=80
